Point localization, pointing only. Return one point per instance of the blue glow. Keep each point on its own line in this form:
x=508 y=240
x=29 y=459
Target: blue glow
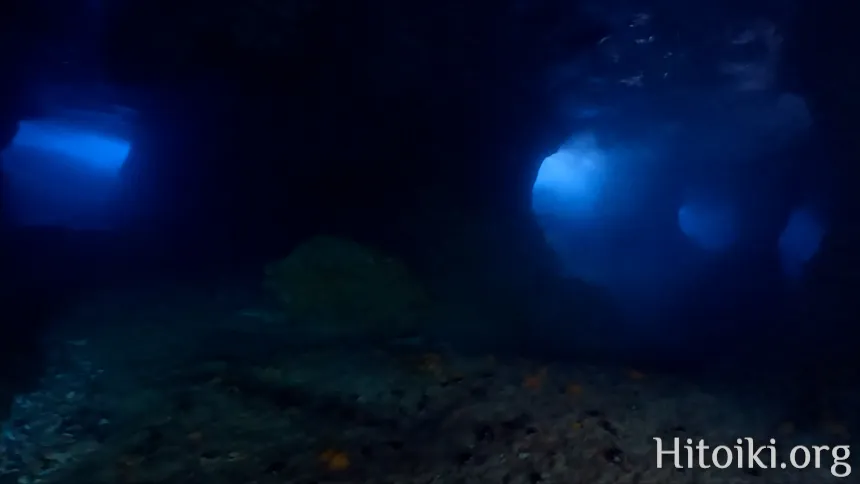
x=91 y=149
x=571 y=181
x=712 y=226
x=64 y=170
x=800 y=240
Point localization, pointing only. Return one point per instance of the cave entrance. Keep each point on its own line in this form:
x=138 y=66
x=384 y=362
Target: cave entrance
x=63 y=168
x=655 y=204
x=588 y=198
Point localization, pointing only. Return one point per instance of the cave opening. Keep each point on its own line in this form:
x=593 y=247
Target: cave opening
x=64 y=167
x=652 y=203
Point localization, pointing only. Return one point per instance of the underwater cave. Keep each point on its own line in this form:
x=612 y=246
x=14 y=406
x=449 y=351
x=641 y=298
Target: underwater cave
x=384 y=241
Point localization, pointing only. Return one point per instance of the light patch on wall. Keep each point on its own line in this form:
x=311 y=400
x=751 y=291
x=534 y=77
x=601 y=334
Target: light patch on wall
x=570 y=182
x=64 y=170
x=91 y=149
x=710 y=225
x=800 y=240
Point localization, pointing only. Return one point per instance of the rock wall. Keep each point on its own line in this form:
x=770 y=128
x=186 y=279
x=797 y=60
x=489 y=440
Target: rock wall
x=418 y=129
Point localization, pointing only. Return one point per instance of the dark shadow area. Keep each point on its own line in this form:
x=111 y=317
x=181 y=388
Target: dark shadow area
x=28 y=310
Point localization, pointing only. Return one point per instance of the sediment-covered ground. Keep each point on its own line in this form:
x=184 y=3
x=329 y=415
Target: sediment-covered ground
x=226 y=398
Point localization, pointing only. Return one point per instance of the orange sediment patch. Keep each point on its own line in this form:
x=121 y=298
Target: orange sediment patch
x=535 y=381
x=335 y=460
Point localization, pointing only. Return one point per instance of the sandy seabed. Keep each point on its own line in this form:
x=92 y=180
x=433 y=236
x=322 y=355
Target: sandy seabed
x=229 y=400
